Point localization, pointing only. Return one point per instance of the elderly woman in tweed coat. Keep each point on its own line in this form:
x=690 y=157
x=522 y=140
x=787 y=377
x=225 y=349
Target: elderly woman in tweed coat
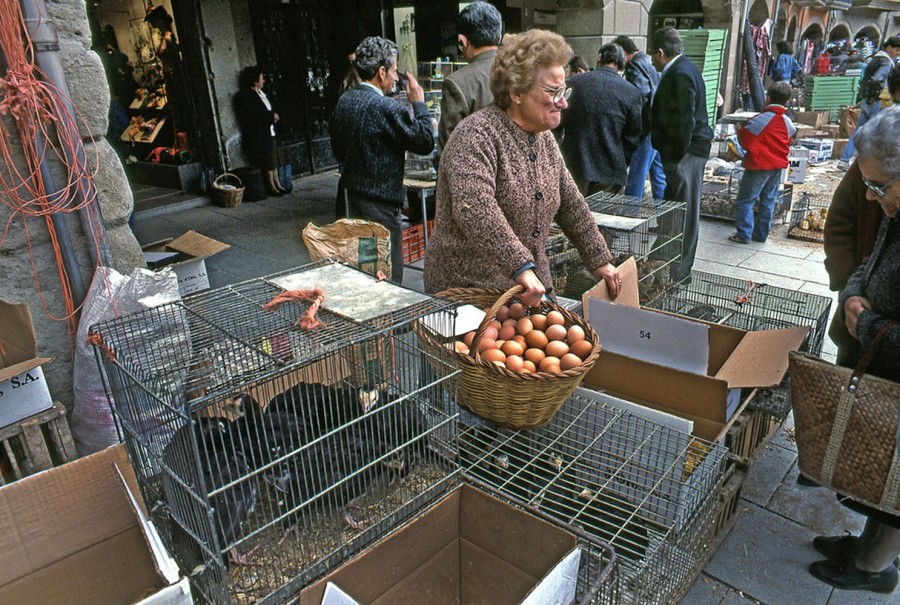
x=502 y=182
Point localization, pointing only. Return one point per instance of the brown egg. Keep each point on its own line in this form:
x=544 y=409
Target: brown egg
x=556 y=332
x=510 y=322
x=582 y=348
x=498 y=344
x=468 y=338
x=507 y=332
x=556 y=348
x=493 y=355
x=486 y=343
x=511 y=347
x=536 y=339
x=521 y=340
x=517 y=310
x=502 y=313
x=552 y=368
x=524 y=326
x=534 y=355
x=494 y=324
x=515 y=363
x=569 y=361
x=529 y=367
x=491 y=332
x=555 y=318
x=461 y=347
x=548 y=361
x=539 y=321
x=575 y=334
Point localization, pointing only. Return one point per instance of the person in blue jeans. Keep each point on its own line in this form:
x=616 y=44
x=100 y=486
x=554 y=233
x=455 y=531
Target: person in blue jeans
x=639 y=71
x=766 y=139
x=871 y=84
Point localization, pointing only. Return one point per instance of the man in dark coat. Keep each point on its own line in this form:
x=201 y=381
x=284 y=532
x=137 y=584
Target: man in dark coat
x=601 y=127
x=680 y=132
x=370 y=135
x=479 y=28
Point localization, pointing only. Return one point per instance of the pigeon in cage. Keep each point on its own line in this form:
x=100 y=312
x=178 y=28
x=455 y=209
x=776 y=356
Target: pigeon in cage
x=341 y=466
x=222 y=462
x=323 y=407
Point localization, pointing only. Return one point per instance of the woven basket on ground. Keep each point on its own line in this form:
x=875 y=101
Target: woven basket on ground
x=510 y=399
x=227 y=190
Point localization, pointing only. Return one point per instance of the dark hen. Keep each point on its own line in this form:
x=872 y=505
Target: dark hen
x=221 y=464
x=333 y=471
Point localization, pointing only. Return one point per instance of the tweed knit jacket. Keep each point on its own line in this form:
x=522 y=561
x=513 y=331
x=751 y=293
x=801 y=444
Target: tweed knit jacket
x=878 y=280
x=499 y=190
x=464 y=92
x=370 y=135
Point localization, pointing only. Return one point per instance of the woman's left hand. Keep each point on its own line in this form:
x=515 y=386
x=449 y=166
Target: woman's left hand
x=853 y=308
x=610 y=274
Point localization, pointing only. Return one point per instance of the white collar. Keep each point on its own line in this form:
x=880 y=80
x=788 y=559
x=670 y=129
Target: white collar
x=373 y=87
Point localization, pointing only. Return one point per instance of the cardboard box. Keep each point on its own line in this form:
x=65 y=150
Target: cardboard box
x=838 y=149
x=23 y=388
x=804 y=132
x=847 y=122
x=468 y=548
x=815 y=119
x=690 y=368
x=185 y=255
x=796 y=171
x=819 y=149
x=78 y=534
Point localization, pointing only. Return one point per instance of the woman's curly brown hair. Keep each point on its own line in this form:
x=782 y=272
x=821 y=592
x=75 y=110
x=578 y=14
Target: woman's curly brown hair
x=518 y=59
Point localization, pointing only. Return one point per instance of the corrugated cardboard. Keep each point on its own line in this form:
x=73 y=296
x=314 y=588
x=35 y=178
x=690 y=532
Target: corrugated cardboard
x=736 y=359
x=23 y=388
x=74 y=535
x=819 y=149
x=189 y=265
x=796 y=172
x=811 y=118
x=468 y=548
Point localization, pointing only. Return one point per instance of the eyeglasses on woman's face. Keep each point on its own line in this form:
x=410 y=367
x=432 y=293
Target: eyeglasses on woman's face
x=879 y=190
x=557 y=94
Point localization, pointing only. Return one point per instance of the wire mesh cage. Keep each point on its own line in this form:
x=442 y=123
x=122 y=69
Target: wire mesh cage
x=269 y=453
x=648 y=490
x=719 y=194
x=649 y=230
x=808 y=216
x=747 y=305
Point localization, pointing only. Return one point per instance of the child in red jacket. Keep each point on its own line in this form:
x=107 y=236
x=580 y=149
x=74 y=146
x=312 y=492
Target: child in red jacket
x=766 y=139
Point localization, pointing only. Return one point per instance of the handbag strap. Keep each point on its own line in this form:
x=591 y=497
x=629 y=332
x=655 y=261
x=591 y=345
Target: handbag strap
x=845 y=408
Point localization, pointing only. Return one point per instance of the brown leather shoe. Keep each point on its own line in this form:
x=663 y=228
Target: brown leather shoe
x=847 y=577
x=840 y=548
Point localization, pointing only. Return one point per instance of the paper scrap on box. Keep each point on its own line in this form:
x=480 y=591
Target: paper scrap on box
x=619 y=223
x=352 y=293
x=468 y=318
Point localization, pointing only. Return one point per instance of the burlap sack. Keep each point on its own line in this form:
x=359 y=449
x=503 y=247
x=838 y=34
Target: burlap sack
x=359 y=243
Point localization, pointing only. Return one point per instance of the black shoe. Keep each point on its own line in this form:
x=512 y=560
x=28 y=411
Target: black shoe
x=847 y=577
x=274 y=193
x=836 y=548
x=803 y=481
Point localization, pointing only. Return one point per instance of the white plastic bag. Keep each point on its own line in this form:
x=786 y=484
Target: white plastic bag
x=111 y=295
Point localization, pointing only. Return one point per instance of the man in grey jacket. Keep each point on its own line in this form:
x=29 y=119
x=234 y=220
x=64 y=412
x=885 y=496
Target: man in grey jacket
x=468 y=89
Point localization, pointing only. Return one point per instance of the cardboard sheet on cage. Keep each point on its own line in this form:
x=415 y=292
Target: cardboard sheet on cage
x=619 y=223
x=468 y=318
x=352 y=293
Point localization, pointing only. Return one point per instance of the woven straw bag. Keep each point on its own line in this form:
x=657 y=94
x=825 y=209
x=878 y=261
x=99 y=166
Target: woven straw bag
x=848 y=428
x=511 y=399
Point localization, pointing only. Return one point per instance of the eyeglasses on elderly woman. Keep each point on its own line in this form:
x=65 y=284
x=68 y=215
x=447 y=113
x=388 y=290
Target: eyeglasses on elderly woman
x=879 y=190
x=557 y=94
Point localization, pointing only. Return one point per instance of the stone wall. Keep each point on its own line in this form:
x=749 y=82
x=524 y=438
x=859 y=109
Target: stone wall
x=28 y=263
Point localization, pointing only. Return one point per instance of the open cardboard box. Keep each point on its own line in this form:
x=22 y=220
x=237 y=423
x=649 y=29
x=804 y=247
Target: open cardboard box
x=77 y=535
x=468 y=548
x=23 y=388
x=186 y=256
x=687 y=367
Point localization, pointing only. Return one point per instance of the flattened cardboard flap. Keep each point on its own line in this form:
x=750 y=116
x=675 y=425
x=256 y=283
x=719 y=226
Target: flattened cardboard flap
x=196 y=245
x=17 y=339
x=761 y=359
x=628 y=293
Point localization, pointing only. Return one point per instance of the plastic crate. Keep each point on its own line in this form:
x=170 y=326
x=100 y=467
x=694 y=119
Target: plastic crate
x=808 y=217
x=747 y=305
x=414 y=242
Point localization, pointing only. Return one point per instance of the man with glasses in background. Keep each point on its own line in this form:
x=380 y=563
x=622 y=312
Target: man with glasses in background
x=601 y=127
x=680 y=132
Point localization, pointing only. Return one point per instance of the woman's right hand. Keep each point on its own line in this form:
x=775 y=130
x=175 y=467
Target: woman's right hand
x=534 y=289
x=853 y=308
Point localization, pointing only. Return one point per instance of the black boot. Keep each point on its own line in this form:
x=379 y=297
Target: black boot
x=846 y=576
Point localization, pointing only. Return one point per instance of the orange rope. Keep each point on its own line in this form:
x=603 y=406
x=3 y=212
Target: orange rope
x=46 y=130
x=310 y=319
x=96 y=339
